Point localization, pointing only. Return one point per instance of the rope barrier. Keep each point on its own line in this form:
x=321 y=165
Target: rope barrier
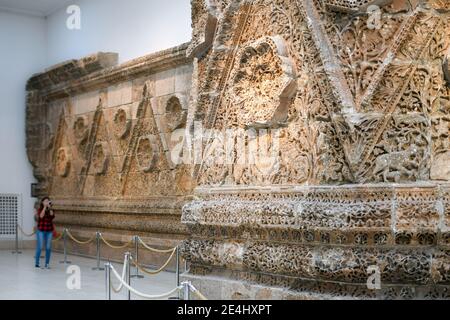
x=24 y=233
x=143 y=295
x=113 y=246
x=153 y=272
x=34 y=232
x=119 y=288
x=153 y=249
x=78 y=241
x=196 y=292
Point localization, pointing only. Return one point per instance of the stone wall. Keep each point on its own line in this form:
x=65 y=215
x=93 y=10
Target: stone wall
x=305 y=143
x=103 y=142
x=336 y=157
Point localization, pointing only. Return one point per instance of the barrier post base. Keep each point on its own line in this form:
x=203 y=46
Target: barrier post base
x=98 y=268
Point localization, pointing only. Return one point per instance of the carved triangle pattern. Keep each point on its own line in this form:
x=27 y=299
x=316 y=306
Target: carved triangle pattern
x=92 y=139
x=359 y=111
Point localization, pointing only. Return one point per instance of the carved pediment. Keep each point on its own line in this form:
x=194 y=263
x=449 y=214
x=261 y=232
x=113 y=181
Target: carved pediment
x=349 y=81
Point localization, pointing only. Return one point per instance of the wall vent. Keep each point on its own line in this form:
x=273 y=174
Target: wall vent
x=10 y=209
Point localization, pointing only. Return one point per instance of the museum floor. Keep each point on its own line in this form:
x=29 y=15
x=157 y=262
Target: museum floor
x=19 y=279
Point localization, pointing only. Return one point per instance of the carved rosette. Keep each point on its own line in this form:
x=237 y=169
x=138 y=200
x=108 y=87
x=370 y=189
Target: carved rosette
x=263 y=83
x=175 y=115
x=81 y=129
x=147 y=153
x=63 y=162
x=100 y=158
x=122 y=124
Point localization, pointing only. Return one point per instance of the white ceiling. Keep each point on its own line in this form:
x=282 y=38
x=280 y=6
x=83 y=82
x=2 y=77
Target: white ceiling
x=38 y=8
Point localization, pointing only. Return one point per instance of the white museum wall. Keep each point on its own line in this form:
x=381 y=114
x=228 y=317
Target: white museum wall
x=132 y=28
x=22 y=53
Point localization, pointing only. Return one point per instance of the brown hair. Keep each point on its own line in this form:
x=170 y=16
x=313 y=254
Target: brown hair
x=41 y=205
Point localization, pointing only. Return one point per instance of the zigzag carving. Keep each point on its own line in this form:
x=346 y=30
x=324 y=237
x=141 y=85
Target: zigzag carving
x=92 y=139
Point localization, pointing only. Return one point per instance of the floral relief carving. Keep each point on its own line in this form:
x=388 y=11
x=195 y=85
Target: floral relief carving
x=63 y=162
x=331 y=153
x=100 y=158
x=122 y=124
x=175 y=114
x=263 y=83
x=147 y=153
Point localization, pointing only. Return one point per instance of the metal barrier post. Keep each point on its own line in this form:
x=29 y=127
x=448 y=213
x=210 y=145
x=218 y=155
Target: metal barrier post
x=65 y=247
x=17 y=240
x=186 y=290
x=136 y=255
x=177 y=270
x=128 y=261
x=108 y=280
x=98 y=253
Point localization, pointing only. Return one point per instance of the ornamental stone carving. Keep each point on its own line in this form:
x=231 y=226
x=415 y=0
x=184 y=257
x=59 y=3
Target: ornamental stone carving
x=323 y=151
x=122 y=123
x=359 y=178
x=147 y=153
x=63 y=162
x=263 y=83
x=100 y=158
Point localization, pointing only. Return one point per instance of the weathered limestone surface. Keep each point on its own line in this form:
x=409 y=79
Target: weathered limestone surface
x=334 y=157
x=360 y=177
x=99 y=137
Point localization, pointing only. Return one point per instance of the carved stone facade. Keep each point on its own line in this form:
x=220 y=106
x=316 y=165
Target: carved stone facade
x=325 y=151
x=355 y=94
x=99 y=137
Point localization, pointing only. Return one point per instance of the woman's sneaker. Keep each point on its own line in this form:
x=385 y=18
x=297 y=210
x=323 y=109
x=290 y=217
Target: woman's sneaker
x=47 y=266
x=36 y=266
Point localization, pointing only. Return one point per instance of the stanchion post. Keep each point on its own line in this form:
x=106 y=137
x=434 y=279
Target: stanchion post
x=98 y=253
x=186 y=290
x=108 y=280
x=17 y=240
x=136 y=255
x=177 y=266
x=65 y=247
x=177 y=269
x=128 y=261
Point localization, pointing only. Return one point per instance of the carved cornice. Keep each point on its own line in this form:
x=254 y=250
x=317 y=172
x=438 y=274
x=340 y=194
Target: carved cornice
x=365 y=215
x=147 y=205
x=103 y=74
x=150 y=222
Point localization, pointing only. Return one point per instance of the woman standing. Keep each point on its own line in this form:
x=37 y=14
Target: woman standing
x=45 y=216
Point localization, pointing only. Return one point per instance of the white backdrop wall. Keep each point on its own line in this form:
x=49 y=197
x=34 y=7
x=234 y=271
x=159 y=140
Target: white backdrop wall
x=28 y=45
x=132 y=28
x=23 y=52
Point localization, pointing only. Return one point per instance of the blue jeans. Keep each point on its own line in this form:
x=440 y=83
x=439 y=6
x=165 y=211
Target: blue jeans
x=44 y=238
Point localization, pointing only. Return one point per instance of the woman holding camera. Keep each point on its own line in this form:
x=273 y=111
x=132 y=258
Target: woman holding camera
x=44 y=218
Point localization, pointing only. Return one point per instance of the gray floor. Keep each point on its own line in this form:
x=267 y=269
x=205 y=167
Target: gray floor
x=19 y=279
